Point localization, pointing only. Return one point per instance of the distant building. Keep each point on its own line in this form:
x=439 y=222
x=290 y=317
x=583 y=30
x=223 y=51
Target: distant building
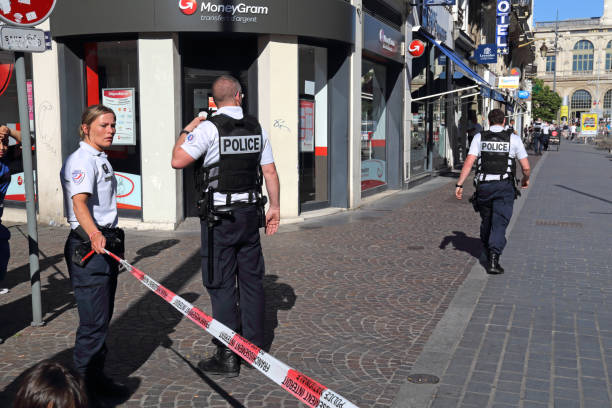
x=583 y=61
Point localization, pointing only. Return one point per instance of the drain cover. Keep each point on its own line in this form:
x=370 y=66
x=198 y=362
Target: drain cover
x=423 y=379
x=553 y=223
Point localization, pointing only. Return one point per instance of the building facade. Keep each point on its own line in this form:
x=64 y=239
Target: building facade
x=581 y=68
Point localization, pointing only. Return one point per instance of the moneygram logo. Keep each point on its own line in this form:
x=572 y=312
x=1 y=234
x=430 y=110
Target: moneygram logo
x=188 y=6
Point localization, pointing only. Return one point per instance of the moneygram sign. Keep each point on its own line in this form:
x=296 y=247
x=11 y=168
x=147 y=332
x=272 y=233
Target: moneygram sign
x=239 y=13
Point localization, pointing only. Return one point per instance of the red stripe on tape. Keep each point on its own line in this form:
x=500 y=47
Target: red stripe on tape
x=199 y=317
x=304 y=388
x=244 y=348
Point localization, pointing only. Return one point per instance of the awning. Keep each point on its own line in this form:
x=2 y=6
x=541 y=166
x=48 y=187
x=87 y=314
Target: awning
x=462 y=66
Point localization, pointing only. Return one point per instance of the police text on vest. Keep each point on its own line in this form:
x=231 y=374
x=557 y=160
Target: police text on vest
x=240 y=144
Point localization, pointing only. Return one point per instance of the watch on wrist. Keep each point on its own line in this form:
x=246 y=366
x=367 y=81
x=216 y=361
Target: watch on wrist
x=458 y=186
x=184 y=131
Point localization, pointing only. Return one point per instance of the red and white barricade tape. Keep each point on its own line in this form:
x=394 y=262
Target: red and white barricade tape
x=307 y=390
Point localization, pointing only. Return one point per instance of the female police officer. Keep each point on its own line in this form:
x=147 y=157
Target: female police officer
x=90 y=204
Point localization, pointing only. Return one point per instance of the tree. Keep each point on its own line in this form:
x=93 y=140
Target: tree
x=546 y=103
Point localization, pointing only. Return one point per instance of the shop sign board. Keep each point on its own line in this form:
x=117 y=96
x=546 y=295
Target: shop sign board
x=25 y=13
x=121 y=101
x=22 y=39
x=381 y=39
x=508 y=82
x=486 y=54
x=416 y=48
x=588 y=124
x=514 y=71
x=307 y=134
x=503 y=23
x=524 y=94
x=431 y=22
x=564 y=111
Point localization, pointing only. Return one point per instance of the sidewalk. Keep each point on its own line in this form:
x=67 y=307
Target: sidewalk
x=351 y=299
x=541 y=334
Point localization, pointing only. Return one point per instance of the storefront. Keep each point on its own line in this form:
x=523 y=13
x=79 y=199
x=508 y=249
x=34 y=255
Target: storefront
x=9 y=115
x=381 y=106
x=154 y=63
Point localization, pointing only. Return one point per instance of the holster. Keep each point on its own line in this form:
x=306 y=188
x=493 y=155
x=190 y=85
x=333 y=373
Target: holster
x=474 y=198
x=261 y=211
x=115 y=243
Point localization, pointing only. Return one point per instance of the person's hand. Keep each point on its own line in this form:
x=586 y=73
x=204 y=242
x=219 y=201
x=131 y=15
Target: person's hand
x=98 y=242
x=194 y=123
x=459 y=193
x=272 y=220
x=524 y=183
x=4 y=131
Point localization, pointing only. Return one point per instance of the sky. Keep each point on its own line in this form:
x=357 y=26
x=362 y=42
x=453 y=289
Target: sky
x=546 y=10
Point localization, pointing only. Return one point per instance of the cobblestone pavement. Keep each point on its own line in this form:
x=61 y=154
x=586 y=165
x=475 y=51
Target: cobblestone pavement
x=350 y=301
x=541 y=334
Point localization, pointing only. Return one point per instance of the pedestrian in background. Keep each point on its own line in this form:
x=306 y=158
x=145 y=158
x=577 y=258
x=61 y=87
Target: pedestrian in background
x=537 y=137
x=237 y=156
x=495 y=150
x=50 y=384
x=90 y=205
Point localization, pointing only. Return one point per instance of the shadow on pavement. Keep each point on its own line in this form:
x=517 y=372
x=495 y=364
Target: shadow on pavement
x=21 y=274
x=584 y=194
x=462 y=242
x=279 y=296
x=154 y=249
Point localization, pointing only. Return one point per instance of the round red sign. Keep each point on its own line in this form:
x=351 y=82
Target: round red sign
x=416 y=48
x=25 y=13
x=188 y=6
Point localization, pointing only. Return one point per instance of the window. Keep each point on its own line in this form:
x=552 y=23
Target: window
x=583 y=57
x=609 y=56
x=373 y=125
x=608 y=100
x=551 y=62
x=581 y=99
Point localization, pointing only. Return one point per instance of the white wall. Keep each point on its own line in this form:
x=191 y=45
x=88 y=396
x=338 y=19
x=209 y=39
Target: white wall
x=277 y=70
x=48 y=135
x=160 y=123
x=354 y=149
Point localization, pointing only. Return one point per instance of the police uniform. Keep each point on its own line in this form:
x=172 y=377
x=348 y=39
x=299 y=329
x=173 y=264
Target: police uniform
x=88 y=170
x=537 y=137
x=496 y=150
x=233 y=147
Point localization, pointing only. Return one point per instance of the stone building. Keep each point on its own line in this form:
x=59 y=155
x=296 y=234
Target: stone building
x=581 y=69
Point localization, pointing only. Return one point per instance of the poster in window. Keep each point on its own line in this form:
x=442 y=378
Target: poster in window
x=307 y=125
x=121 y=101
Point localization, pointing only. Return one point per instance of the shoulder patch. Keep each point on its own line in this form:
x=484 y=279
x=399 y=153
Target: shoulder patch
x=78 y=176
x=190 y=138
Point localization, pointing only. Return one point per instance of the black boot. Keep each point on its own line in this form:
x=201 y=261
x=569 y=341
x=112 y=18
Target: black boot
x=100 y=384
x=224 y=363
x=493 y=266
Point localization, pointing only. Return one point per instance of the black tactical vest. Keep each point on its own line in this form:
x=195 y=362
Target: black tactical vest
x=495 y=154
x=238 y=169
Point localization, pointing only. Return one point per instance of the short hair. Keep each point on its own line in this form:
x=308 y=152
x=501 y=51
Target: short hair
x=225 y=88
x=51 y=384
x=496 y=117
x=90 y=114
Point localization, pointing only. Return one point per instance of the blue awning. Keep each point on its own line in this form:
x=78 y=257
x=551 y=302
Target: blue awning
x=456 y=59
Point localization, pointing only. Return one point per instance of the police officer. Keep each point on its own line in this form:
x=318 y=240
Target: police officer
x=235 y=149
x=495 y=151
x=90 y=205
x=537 y=137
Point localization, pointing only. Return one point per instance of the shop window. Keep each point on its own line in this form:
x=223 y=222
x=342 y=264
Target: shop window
x=373 y=126
x=112 y=79
x=607 y=103
x=9 y=115
x=313 y=135
x=580 y=102
x=583 y=57
x=419 y=123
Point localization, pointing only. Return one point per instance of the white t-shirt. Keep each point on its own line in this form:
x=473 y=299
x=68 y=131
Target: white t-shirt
x=88 y=171
x=517 y=149
x=204 y=140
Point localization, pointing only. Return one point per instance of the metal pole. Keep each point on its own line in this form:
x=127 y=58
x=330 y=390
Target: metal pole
x=28 y=175
x=556 y=39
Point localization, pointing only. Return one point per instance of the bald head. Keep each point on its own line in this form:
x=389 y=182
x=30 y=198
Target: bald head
x=226 y=91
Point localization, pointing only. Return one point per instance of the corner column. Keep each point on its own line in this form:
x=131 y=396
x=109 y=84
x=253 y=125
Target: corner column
x=160 y=122
x=277 y=70
x=354 y=149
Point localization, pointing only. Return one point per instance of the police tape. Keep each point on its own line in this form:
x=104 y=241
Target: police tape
x=304 y=388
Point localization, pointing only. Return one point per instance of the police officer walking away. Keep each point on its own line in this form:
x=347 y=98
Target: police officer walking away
x=237 y=155
x=90 y=204
x=495 y=179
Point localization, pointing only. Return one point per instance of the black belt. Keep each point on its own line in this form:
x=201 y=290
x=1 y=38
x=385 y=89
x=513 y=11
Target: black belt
x=495 y=181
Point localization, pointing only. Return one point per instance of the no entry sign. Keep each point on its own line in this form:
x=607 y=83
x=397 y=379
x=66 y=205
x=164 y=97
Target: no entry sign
x=416 y=48
x=25 y=13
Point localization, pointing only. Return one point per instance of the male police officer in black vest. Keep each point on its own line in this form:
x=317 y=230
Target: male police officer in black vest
x=495 y=150
x=237 y=155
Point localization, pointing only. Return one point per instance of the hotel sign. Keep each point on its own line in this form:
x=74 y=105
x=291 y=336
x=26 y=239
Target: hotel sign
x=501 y=30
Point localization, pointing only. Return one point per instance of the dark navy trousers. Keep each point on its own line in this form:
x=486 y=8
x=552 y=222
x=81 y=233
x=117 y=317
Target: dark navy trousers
x=236 y=292
x=495 y=202
x=94 y=290
x=5 y=250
